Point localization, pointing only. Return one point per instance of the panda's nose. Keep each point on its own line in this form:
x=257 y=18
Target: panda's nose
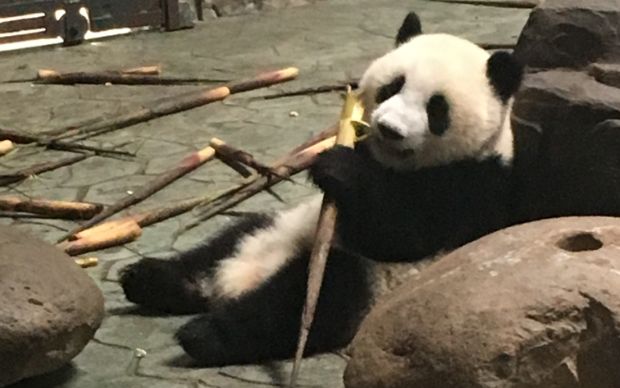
x=389 y=132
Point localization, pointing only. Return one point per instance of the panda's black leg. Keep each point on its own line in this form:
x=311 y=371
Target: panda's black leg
x=177 y=285
x=263 y=325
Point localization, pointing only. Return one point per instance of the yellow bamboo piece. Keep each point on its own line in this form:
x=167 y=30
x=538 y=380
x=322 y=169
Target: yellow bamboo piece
x=6 y=146
x=351 y=111
x=87 y=262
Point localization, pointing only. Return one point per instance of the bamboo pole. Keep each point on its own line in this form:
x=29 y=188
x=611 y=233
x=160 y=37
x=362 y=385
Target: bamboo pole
x=28 y=138
x=6 y=146
x=115 y=78
x=39 y=168
x=352 y=110
x=125 y=232
x=171 y=105
x=189 y=163
x=57 y=209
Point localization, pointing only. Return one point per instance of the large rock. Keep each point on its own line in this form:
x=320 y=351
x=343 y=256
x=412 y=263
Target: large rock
x=572 y=51
x=533 y=306
x=49 y=307
x=571 y=33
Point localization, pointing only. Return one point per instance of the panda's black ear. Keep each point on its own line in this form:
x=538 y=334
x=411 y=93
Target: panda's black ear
x=505 y=74
x=411 y=27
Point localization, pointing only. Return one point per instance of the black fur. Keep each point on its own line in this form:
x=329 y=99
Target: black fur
x=394 y=216
x=391 y=89
x=264 y=324
x=505 y=74
x=171 y=285
x=438 y=112
x=411 y=27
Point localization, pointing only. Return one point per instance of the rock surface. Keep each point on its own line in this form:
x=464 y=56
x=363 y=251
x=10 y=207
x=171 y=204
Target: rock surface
x=49 y=307
x=571 y=33
x=536 y=306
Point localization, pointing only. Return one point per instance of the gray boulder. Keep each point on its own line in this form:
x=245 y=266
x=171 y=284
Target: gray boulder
x=532 y=306
x=571 y=34
x=49 y=307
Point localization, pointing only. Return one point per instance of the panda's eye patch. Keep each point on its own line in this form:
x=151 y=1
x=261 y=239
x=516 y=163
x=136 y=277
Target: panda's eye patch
x=438 y=112
x=391 y=89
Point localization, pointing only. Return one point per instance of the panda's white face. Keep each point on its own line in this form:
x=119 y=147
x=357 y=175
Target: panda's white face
x=430 y=102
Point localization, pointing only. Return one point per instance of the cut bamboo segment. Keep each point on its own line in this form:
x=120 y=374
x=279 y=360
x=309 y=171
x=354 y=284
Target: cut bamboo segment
x=6 y=146
x=351 y=111
x=59 y=209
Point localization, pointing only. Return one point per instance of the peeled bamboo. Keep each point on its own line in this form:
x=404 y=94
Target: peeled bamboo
x=352 y=110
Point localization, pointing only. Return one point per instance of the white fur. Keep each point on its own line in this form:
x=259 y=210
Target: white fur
x=436 y=63
x=260 y=255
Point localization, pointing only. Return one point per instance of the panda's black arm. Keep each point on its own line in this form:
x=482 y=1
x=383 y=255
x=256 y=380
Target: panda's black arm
x=338 y=173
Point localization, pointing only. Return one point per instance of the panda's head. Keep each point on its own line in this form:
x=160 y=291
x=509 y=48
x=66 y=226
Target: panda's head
x=436 y=99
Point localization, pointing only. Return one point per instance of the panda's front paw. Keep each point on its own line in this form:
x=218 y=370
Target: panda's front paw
x=200 y=339
x=335 y=171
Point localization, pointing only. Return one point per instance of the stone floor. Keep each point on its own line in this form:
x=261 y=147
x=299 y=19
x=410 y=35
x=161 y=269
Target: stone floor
x=329 y=41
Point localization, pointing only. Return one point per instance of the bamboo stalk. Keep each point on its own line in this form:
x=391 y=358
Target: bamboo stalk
x=126 y=232
x=229 y=152
x=57 y=209
x=40 y=168
x=312 y=91
x=171 y=105
x=6 y=146
x=27 y=138
x=291 y=166
x=115 y=78
x=352 y=110
x=188 y=164
x=527 y=4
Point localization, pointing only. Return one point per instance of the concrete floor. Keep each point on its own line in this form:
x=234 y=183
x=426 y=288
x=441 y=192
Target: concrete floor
x=329 y=41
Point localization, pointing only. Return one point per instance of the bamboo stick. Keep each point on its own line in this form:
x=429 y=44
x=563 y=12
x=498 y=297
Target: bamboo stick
x=126 y=232
x=57 y=209
x=291 y=166
x=527 y=4
x=115 y=78
x=27 y=138
x=325 y=232
x=171 y=105
x=188 y=164
x=39 y=168
x=6 y=146
x=229 y=152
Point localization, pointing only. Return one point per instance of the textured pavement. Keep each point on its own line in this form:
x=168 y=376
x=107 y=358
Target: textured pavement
x=329 y=41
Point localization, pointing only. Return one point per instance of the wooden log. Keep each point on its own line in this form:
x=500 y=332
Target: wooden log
x=171 y=105
x=325 y=233
x=188 y=164
x=126 y=232
x=56 y=209
x=6 y=146
x=39 y=168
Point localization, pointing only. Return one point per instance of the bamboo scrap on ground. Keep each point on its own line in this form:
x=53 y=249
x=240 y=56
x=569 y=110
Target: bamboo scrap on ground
x=186 y=165
x=57 y=209
x=171 y=105
x=6 y=146
x=527 y=4
x=39 y=168
x=87 y=262
x=229 y=153
x=352 y=110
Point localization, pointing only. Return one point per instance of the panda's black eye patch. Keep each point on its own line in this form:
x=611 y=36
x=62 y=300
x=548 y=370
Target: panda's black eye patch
x=391 y=89
x=438 y=112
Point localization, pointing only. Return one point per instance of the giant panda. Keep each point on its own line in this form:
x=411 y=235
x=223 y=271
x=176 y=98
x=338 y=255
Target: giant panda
x=438 y=169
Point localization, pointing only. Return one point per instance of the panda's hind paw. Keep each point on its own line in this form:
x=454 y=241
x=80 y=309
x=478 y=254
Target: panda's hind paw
x=160 y=285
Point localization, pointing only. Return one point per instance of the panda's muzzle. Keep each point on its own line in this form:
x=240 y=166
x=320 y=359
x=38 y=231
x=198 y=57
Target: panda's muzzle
x=389 y=132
